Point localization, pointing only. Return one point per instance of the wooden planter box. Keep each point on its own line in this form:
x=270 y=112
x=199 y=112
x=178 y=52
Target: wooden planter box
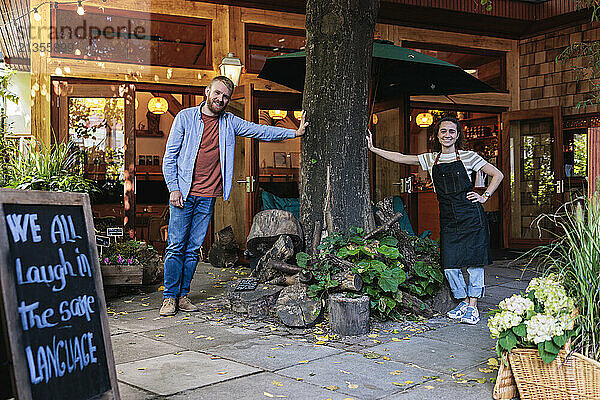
x=122 y=274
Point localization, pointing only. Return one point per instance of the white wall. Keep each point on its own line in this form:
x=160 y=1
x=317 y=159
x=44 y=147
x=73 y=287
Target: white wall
x=20 y=114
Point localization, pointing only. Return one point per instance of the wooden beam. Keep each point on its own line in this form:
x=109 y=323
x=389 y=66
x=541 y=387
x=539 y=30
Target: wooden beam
x=273 y=18
x=41 y=119
x=476 y=99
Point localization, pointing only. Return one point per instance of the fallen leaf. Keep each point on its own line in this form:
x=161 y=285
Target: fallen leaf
x=277 y=383
x=303 y=361
x=371 y=354
x=222 y=373
x=485 y=370
x=145 y=304
x=121 y=372
x=127 y=301
x=398 y=383
x=332 y=387
x=210 y=338
x=386 y=358
x=480 y=380
x=409 y=382
x=300 y=379
x=142 y=368
x=459 y=375
x=492 y=362
x=320 y=342
x=160 y=288
x=428 y=387
x=159 y=335
x=200 y=336
x=268 y=394
x=275 y=348
x=141 y=317
x=352 y=386
x=396 y=372
x=395 y=339
x=373 y=335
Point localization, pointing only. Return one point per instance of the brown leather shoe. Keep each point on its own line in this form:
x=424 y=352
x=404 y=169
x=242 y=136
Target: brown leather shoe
x=168 y=307
x=186 y=305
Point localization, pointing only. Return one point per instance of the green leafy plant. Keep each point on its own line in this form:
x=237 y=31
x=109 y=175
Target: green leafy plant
x=380 y=264
x=541 y=318
x=55 y=168
x=575 y=256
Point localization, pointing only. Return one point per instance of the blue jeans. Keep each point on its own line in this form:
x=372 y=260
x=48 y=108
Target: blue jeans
x=187 y=228
x=459 y=288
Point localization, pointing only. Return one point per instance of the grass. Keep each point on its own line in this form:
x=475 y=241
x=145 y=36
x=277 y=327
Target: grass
x=575 y=256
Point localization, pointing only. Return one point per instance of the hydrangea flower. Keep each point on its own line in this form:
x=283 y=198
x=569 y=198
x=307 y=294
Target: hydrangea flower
x=517 y=304
x=503 y=321
x=541 y=327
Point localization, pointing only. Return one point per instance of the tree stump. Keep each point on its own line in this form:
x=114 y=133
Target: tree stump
x=255 y=303
x=296 y=309
x=349 y=316
x=282 y=250
x=270 y=225
x=224 y=252
x=443 y=301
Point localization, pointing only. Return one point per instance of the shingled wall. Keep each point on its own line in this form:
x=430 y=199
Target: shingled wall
x=546 y=83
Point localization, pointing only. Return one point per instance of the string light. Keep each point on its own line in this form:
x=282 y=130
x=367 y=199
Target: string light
x=80 y=9
x=36 y=15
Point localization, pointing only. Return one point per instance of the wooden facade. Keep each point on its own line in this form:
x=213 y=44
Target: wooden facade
x=516 y=31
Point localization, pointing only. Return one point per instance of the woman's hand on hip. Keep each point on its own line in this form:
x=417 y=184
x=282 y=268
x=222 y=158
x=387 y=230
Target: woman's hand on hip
x=476 y=197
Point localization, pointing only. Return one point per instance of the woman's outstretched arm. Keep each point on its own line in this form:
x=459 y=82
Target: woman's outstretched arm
x=391 y=155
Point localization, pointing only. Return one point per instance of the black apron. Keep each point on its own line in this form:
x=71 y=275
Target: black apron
x=464 y=230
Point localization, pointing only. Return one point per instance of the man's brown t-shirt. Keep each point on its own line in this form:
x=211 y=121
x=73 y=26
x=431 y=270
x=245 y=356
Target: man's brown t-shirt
x=207 y=181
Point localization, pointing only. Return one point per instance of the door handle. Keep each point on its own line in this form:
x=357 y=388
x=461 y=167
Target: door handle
x=249 y=182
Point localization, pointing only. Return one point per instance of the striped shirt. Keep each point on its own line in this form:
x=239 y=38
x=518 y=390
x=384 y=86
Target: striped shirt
x=472 y=161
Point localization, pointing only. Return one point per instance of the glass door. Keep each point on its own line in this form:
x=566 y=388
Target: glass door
x=533 y=167
x=100 y=120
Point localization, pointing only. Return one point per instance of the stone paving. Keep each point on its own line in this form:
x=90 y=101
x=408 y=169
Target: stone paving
x=215 y=354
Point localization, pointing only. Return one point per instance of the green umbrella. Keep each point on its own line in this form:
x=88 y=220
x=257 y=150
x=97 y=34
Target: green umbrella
x=397 y=71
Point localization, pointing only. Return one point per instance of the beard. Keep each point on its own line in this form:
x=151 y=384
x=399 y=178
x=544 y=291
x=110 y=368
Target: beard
x=213 y=107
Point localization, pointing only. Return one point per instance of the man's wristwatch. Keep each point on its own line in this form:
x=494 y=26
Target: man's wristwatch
x=487 y=194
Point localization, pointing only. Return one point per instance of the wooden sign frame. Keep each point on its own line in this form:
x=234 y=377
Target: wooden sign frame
x=14 y=338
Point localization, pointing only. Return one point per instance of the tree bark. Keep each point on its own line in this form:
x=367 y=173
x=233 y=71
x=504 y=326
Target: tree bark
x=334 y=174
x=348 y=282
x=295 y=308
x=349 y=316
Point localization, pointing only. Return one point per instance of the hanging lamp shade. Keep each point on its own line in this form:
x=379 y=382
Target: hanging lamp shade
x=298 y=115
x=375 y=119
x=277 y=114
x=158 y=105
x=424 y=120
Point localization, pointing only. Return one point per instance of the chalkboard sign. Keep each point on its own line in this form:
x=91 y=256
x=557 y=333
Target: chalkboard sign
x=53 y=303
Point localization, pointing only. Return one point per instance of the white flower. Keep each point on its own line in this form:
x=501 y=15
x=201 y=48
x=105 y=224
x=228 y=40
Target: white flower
x=542 y=327
x=517 y=304
x=503 y=321
x=552 y=295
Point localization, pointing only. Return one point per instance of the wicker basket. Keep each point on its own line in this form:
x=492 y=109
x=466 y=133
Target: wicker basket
x=505 y=387
x=570 y=378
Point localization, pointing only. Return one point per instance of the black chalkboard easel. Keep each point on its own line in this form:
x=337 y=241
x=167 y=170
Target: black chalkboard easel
x=52 y=307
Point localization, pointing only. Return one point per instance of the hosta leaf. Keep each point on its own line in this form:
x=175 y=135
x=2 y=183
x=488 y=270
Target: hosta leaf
x=302 y=259
x=389 y=241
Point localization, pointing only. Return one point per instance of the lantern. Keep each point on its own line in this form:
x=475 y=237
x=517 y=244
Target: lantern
x=424 y=120
x=277 y=114
x=158 y=105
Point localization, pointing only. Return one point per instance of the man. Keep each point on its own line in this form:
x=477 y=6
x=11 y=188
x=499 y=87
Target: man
x=198 y=167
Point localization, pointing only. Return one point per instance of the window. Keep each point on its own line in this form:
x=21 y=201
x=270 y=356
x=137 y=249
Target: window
x=131 y=37
x=269 y=41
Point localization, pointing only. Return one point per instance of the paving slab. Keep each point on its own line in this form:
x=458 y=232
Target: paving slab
x=194 y=335
x=463 y=334
x=447 y=390
x=148 y=320
x=170 y=374
x=128 y=392
x=261 y=386
x=132 y=303
x=434 y=354
x=358 y=376
x=132 y=347
x=272 y=352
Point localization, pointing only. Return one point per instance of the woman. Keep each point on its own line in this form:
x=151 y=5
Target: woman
x=464 y=231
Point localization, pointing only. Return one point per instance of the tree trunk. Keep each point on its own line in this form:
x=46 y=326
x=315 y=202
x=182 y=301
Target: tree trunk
x=348 y=281
x=334 y=175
